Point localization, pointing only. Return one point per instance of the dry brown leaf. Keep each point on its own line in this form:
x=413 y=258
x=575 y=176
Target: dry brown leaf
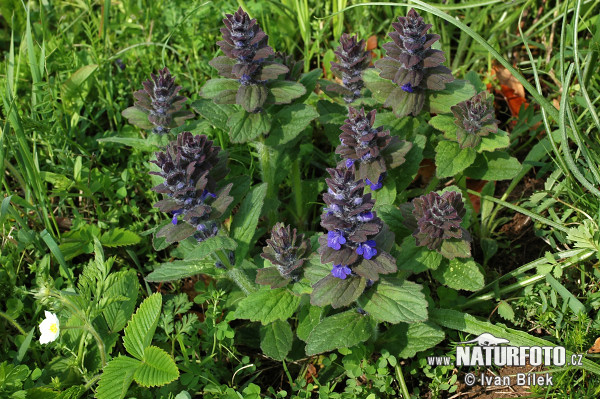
x=596 y=347
x=507 y=79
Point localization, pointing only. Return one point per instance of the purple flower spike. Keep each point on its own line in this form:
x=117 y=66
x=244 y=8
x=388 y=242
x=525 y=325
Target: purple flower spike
x=335 y=239
x=341 y=271
x=367 y=249
x=349 y=163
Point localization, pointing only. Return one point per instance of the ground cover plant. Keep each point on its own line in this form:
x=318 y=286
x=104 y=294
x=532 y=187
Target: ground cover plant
x=296 y=199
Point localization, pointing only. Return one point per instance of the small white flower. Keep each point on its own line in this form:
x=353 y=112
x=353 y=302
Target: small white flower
x=49 y=328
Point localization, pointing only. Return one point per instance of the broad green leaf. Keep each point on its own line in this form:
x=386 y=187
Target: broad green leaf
x=494 y=141
x=314 y=270
x=406 y=173
x=119 y=237
x=337 y=292
x=251 y=97
x=216 y=114
x=380 y=88
x=268 y=305
x=308 y=317
x=284 y=91
x=331 y=113
x=406 y=340
x=117 y=377
x=124 y=284
x=245 y=220
x=385 y=195
x=214 y=87
x=440 y=102
x=158 y=368
x=179 y=269
x=445 y=124
x=460 y=274
x=496 y=165
x=450 y=159
x=416 y=259
x=245 y=126
x=396 y=301
x=140 y=330
x=289 y=122
x=342 y=330
x=473 y=77
x=309 y=81
x=392 y=217
x=456 y=248
x=136 y=117
x=72 y=87
x=276 y=339
x=205 y=248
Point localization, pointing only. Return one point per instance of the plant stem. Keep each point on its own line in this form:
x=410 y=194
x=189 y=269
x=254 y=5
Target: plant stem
x=403 y=387
x=239 y=277
x=297 y=187
x=88 y=327
x=13 y=322
x=268 y=176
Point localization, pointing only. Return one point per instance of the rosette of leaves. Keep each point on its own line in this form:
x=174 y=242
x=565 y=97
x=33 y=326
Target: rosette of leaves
x=287 y=252
x=352 y=244
x=369 y=151
x=158 y=105
x=436 y=223
x=412 y=65
x=249 y=74
x=353 y=60
x=191 y=168
x=474 y=119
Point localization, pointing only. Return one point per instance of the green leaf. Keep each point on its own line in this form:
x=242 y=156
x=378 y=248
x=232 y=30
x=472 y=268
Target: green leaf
x=276 y=339
x=119 y=237
x=290 y=122
x=72 y=87
x=392 y=217
x=506 y=311
x=309 y=81
x=337 y=292
x=494 y=141
x=406 y=340
x=205 y=248
x=396 y=301
x=245 y=220
x=385 y=195
x=251 y=97
x=216 y=114
x=440 y=102
x=380 y=88
x=576 y=306
x=124 y=284
x=268 y=305
x=314 y=270
x=136 y=117
x=494 y=166
x=342 y=330
x=158 y=368
x=179 y=269
x=308 y=317
x=450 y=159
x=140 y=330
x=473 y=77
x=416 y=259
x=244 y=126
x=284 y=91
x=116 y=378
x=445 y=124
x=460 y=274
x=214 y=87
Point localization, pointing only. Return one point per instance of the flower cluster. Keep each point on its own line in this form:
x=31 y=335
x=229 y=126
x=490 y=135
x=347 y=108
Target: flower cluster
x=353 y=60
x=191 y=168
x=475 y=119
x=412 y=64
x=351 y=225
x=369 y=151
x=160 y=101
x=246 y=51
x=436 y=223
x=287 y=251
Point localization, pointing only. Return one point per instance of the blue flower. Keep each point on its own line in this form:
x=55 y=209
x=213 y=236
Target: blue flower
x=367 y=249
x=341 y=271
x=335 y=239
x=206 y=194
x=365 y=216
x=349 y=163
x=175 y=213
x=407 y=88
x=373 y=185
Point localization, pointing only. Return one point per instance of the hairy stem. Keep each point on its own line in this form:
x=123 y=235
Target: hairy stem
x=13 y=322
